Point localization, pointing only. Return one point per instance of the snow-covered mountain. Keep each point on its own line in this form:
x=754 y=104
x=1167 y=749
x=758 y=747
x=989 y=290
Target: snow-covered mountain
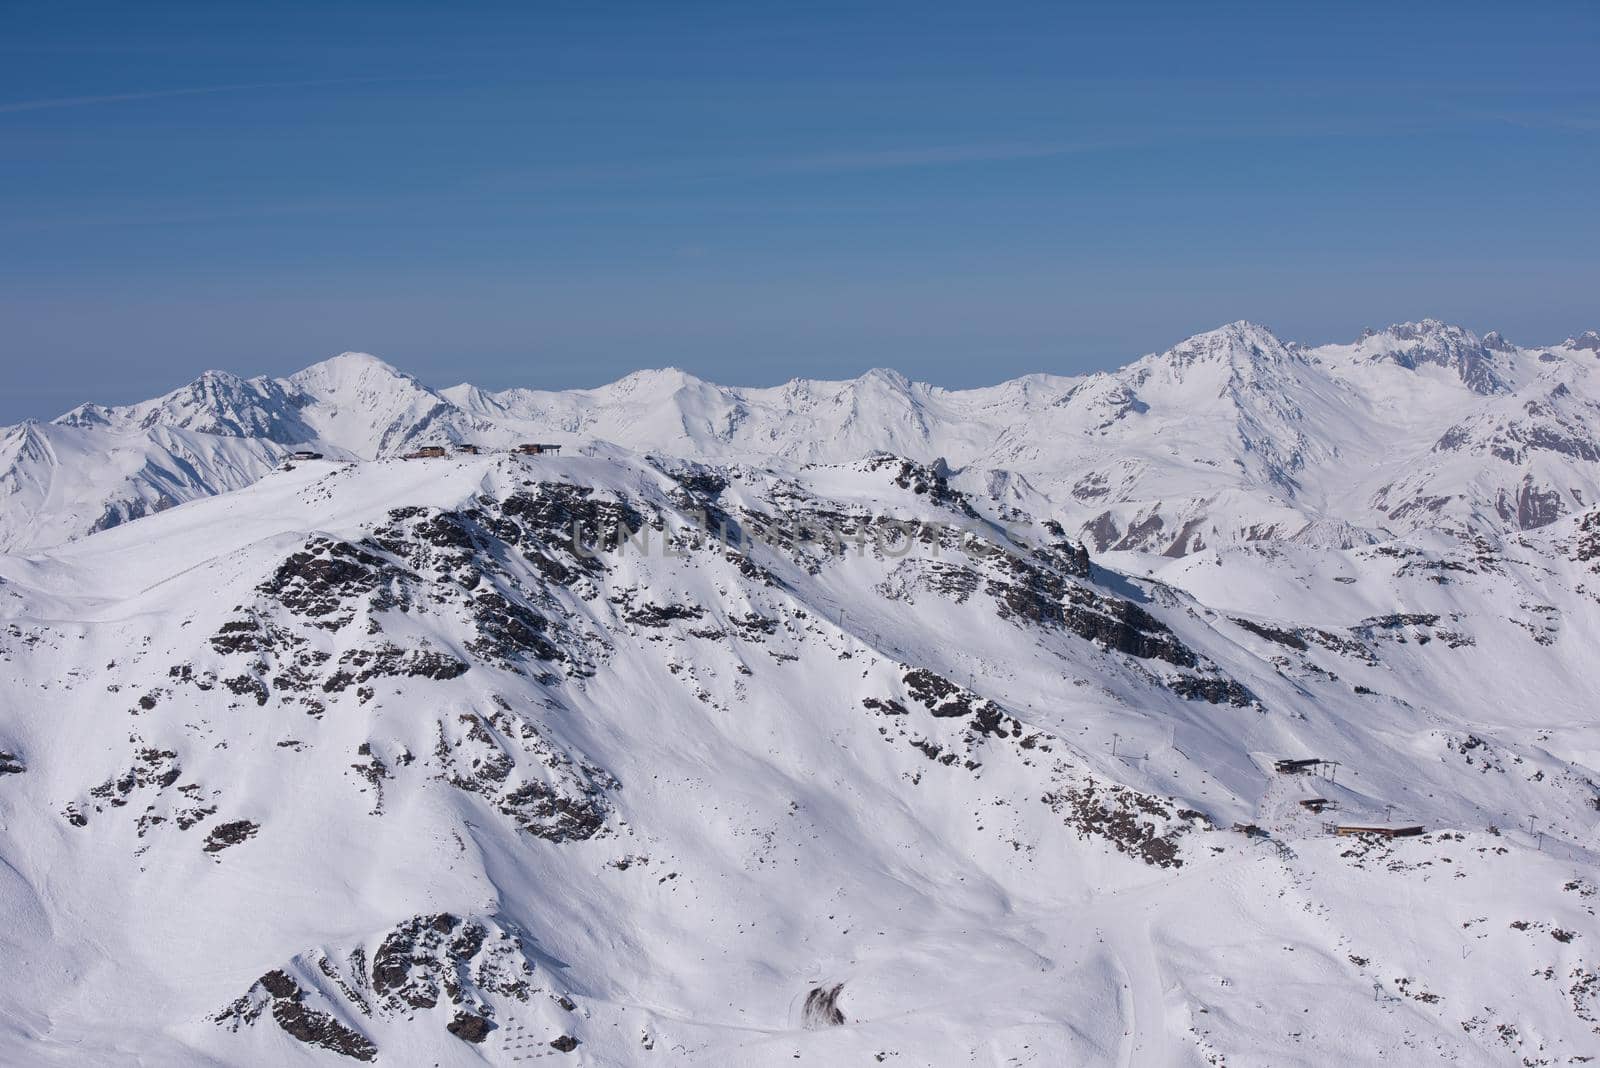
x=1230 y=436
x=845 y=723
x=96 y=467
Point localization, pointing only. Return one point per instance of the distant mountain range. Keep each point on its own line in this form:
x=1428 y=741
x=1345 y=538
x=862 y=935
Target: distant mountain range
x=1232 y=435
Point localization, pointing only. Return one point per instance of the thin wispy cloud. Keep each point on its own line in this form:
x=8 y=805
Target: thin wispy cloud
x=741 y=168
x=570 y=188
x=50 y=103
x=931 y=156
x=1546 y=122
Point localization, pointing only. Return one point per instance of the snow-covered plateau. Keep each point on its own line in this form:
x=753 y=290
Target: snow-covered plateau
x=834 y=723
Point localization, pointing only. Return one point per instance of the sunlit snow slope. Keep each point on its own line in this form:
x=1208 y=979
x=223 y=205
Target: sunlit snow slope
x=624 y=759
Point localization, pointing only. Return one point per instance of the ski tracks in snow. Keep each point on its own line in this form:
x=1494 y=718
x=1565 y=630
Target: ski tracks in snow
x=1148 y=1027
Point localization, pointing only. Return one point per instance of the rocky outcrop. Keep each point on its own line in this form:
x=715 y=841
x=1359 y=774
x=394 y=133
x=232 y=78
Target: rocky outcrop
x=1139 y=825
x=451 y=968
x=504 y=758
x=821 y=1008
x=226 y=835
x=279 y=994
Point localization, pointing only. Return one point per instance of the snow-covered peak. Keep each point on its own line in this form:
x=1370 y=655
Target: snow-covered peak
x=885 y=377
x=1589 y=341
x=1481 y=366
x=347 y=364
x=353 y=402
x=368 y=407
x=217 y=402
x=662 y=380
x=1495 y=341
x=1240 y=346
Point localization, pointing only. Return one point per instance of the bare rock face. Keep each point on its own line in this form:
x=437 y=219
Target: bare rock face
x=453 y=968
x=319 y=581
x=1137 y=824
x=1586 y=547
x=229 y=834
x=420 y=962
x=821 y=1008
x=280 y=994
x=1531 y=506
x=470 y=1027
x=1477 y=362
x=502 y=756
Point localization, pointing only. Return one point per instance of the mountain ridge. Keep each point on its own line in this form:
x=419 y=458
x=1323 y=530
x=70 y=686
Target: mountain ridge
x=1275 y=426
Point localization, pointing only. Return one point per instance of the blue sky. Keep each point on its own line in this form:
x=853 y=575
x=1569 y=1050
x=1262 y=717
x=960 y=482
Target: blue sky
x=555 y=194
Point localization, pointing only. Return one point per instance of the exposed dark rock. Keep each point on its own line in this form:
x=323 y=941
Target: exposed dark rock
x=372 y=768
x=1142 y=532
x=287 y=1004
x=1066 y=555
x=365 y=663
x=1091 y=486
x=702 y=482
x=153 y=769
x=752 y=626
x=1397 y=620
x=1403 y=627
x=1126 y=628
x=321 y=581
x=426 y=959
x=248 y=685
x=560 y=519
x=1587 y=545
x=1218 y=691
x=1037 y=591
x=1447 y=346
x=938 y=694
x=822 y=1008
x=945 y=700
x=541 y=810
x=321 y=1029
x=470 y=1027
x=238 y=636
x=228 y=834
x=510 y=631
x=279 y=985
x=659 y=615
x=1102 y=530
x=1137 y=824
x=406 y=966
x=930 y=479
x=558 y=798
x=1273 y=634
x=195 y=815
x=1532 y=506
